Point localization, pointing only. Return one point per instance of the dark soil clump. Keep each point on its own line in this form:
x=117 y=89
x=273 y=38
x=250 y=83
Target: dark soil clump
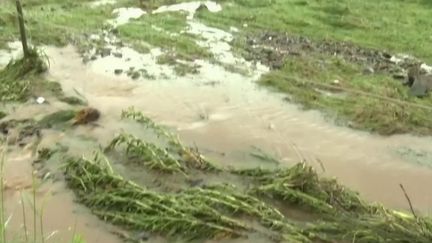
x=272 y=48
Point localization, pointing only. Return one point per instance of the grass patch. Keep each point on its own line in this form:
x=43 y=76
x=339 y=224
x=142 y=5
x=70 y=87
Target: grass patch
x=396 y=25
x=52 y=22
x=181 y=67
x=19 y=77
x=310 y=81
x=23 y=77
x=57 y=118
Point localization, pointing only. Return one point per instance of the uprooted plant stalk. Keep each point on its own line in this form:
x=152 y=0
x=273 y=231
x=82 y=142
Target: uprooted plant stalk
x=16 y=77
x=225 y=210
x=192 y=213
x=190 y=156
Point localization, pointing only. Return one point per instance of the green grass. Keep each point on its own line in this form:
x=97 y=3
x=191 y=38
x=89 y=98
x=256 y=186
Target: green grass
x=24 y=77
x=52 y=22
x=20 y=76
x=356 y=110
x=395 y=26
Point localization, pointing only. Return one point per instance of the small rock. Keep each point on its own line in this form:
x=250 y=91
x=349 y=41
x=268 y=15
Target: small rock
x=86 y=59
x=105 y=52
x=118 y=54
x=271 y=126
x=245 y=25
x=195 y=182
x=336 y=82
x=277 y=64
x=118 y=71
x=368 y=70
x=94 y=37
x=135 y=75
x=234 y=29
x=426 y=68
x=142 y=236
x=115 y=31
x=202 y=7
x=40 y=100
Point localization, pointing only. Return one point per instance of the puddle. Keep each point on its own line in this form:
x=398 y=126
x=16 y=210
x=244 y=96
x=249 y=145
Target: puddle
x=102 y=2
x=124 y=61
x=61 y=217
x=190 y=7
x=13 y=53
x=124 y=15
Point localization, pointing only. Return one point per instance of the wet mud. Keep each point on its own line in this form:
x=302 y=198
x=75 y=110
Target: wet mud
x=272 y=48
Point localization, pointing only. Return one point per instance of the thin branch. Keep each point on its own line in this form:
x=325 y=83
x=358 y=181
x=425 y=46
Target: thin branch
x=409 y=201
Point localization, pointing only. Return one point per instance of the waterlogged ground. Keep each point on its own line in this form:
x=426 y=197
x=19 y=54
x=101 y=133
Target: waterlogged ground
x=189 y=76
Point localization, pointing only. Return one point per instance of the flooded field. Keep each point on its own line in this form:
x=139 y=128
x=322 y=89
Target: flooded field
x=218 y=107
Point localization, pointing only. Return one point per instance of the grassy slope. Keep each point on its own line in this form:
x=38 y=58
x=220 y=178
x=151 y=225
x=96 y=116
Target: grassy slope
x=395 y=25
x=52 y=21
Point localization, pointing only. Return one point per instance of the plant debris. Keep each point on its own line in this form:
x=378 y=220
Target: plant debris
x=231 y=210
x=86 y=116
x=17 y=78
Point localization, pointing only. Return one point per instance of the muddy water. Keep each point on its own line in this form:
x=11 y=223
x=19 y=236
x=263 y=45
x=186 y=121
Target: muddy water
x=234 y=114
x=55 y=207
x=225 y=119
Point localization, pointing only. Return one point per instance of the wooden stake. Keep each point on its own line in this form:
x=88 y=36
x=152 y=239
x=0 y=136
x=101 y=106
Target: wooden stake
x=22 y=29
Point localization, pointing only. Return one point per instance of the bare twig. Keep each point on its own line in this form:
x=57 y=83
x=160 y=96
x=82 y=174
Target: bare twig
x=319 y=161
x=409 y=200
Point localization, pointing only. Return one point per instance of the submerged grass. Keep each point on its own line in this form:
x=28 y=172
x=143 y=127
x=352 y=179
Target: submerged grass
x=225 y=211
x=193 y=214
x=163 y=30
x=19 y=77
x=188 y=156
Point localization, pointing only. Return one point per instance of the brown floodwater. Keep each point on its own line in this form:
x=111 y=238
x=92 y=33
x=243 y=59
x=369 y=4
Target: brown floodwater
x=238 y=114
x=225 y=120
